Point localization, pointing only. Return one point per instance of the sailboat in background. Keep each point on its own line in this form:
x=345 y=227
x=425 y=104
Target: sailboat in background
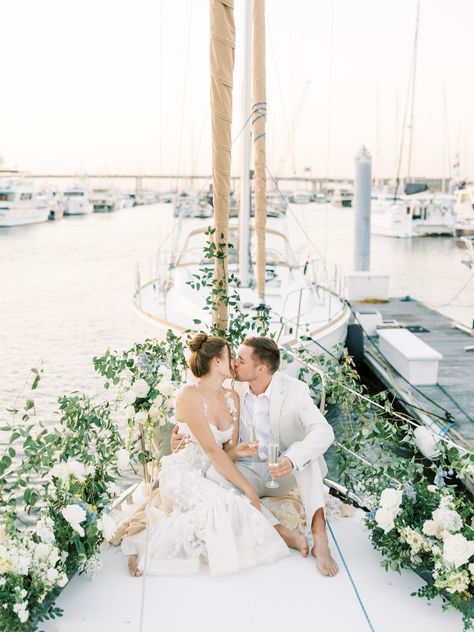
x=416 y=211
x=304 y=307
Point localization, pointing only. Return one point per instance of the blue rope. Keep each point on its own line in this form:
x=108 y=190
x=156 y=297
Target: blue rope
x=350 y=577
x=445 y=429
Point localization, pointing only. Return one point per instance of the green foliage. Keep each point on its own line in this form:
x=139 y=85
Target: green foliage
x=241 y=323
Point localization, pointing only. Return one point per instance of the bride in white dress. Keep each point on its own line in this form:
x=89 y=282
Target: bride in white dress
x=204 y=521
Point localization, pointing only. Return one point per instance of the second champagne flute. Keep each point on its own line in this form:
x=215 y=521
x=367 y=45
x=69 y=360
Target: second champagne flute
x=273 y=452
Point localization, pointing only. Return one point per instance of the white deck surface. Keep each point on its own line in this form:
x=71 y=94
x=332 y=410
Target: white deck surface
x=287 y=596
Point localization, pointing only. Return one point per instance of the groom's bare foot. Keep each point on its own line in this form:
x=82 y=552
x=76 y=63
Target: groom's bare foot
x=294 y=539
x=133 y=566
x=326 y=564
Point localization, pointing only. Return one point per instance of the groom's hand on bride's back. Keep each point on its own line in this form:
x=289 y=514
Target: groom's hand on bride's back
x=178 y=441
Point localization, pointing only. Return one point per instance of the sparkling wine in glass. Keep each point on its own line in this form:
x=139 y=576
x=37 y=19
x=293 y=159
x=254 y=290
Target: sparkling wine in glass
x=252 y=434
x=273 y=450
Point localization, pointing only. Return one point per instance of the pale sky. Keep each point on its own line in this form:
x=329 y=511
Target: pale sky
x=123 y=86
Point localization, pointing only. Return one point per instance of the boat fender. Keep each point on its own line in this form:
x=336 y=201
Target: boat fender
x=355 y=342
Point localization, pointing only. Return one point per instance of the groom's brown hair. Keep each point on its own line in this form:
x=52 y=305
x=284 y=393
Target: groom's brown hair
x=266 y=350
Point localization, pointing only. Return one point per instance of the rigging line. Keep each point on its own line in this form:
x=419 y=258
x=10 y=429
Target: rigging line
x=288 y=208
x=343 y=559
x=283 y=109
x=415 y=388
x=403 y=130
x=196 y=153
x=455 y=296
x=185 y=81
x=443 y=388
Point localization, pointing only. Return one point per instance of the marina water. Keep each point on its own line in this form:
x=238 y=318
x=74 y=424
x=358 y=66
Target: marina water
x=66 y=287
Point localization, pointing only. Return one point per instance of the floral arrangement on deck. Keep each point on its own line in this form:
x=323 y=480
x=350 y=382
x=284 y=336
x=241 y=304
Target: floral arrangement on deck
x=420 y=513
x=53 y=503
x=57 y=482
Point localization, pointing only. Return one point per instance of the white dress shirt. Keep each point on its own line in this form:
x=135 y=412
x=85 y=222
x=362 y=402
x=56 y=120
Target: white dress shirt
x=256 y=409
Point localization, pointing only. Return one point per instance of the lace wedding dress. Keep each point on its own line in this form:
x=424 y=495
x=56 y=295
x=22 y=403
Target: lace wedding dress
x=203 y=521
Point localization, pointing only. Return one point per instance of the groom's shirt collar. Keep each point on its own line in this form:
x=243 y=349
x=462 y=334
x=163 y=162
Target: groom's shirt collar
x=266 y=393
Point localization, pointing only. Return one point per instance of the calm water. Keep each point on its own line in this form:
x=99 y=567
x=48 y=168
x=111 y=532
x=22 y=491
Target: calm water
x=66 y=287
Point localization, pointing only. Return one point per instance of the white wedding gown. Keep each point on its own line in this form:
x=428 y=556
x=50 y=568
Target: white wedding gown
x=204 y=522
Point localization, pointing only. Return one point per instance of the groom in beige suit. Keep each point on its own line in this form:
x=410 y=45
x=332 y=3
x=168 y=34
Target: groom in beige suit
x=281 y=408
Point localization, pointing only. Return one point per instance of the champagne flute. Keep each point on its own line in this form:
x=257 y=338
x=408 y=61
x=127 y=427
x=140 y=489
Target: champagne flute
x=273 y=452
x=252 y=434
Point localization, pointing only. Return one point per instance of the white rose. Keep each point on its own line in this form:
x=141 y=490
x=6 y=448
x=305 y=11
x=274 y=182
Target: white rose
x=62 y=580
x=141 y=417
x=384 y=518
x=107 y=525
x=74 y=515
x=130 y=397
x=123 y=459
x=129 y=412
x=61 y=471
x=432 y=488
x=430 y=528
x=457 y=550
x=391 y=499
x=77 y=469
x=166 y=388
x=52 y=575
x=141 y=388
x=447 y=519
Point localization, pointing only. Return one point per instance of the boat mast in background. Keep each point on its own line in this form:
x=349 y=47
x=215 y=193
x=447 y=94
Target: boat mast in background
x=244 y=209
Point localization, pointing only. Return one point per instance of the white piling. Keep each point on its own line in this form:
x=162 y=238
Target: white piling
x=362 y=201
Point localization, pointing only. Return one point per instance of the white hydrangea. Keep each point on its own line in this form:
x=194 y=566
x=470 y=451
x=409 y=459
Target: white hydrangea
x=166 y=388
x=74 y=515
x=44 y=529
x=141 y=417
x=447 y=519
x=414 y=539
x=129 y=397
x=165 y=373
x=140 y=388
x=107 y=525
x=91 y=566
x=123 y=459
x=21 y=610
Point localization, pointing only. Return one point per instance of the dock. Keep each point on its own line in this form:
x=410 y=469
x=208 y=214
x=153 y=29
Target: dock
x=448 y=404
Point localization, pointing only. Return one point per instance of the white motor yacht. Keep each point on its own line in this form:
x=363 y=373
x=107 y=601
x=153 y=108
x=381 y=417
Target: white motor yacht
x=77 y=201
x=104 y=200
x=464 y=212
x=22 y=204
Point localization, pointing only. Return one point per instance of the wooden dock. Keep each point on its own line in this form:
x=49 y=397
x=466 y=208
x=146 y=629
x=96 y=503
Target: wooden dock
x=449 y=404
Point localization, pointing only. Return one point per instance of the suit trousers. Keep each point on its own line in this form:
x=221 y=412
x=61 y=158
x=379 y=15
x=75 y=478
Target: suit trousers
x=309 y=483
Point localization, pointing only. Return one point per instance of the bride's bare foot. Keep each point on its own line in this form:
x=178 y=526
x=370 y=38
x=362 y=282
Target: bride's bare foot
x=327 y=566
x=294 y=539
x=133 y=566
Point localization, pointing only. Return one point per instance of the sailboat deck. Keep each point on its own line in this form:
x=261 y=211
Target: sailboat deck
x=288 y=595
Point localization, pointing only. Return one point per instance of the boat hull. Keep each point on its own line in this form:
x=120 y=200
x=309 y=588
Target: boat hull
x=23 y=216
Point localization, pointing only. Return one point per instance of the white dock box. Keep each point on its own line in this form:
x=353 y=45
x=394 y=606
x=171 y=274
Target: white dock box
x=413 y=358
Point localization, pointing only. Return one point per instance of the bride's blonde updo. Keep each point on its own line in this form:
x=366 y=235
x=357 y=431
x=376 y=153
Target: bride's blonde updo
x=204 y=349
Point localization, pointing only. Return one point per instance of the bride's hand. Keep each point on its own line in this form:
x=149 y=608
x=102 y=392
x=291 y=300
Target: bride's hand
x=247 y=448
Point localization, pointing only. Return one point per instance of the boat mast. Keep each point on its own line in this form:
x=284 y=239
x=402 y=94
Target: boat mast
x=259 y=116
x=413 y=82
x=222 y=46
x=244 y=209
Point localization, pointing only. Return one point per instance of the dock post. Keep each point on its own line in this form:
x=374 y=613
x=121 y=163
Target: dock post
x=362 y=201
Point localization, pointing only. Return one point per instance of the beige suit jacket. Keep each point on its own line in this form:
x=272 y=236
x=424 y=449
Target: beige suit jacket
x=303 y=431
